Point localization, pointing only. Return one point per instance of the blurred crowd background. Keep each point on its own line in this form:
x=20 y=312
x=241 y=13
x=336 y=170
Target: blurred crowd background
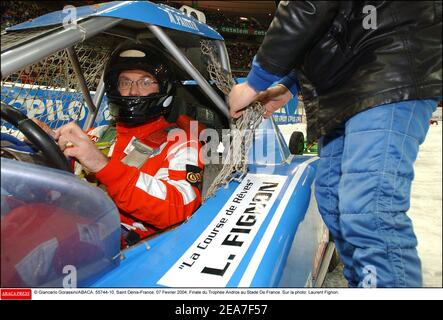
x=243 y=34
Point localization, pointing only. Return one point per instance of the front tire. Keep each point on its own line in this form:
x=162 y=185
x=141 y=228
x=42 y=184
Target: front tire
x=297 y=143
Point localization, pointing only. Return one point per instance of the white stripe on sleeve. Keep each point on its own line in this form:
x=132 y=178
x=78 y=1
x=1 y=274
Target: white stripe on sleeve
x=151 y=186
x=183 y=157
x=185 y=189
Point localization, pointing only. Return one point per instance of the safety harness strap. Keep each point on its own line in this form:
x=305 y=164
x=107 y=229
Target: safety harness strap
x=141 y=152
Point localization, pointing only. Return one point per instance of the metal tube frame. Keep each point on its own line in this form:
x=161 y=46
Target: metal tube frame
x=20 y=57
x=224 y=57
x=225 y=64
x=280 y=140
x=97 y=100
x=32 y=52
x=190 y=69
x=81 y=79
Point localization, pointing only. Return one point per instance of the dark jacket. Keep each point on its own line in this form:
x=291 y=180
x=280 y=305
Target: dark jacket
x=344 y=68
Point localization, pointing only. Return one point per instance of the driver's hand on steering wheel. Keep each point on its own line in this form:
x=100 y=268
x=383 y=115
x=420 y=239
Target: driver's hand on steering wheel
x=74 y=142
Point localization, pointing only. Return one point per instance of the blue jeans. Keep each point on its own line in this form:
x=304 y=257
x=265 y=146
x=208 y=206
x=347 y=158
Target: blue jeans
x=363 y=190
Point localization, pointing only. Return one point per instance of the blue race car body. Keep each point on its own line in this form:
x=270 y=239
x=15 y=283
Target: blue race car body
x=262 y=231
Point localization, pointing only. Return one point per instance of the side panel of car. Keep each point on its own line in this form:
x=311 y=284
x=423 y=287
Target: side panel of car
x=56 y=230
x=197 y=246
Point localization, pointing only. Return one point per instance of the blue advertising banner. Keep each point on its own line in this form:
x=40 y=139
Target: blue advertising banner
x=56 y=106
x=53 y=106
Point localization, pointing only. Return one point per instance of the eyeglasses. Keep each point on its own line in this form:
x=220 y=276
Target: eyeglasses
x=144 y=83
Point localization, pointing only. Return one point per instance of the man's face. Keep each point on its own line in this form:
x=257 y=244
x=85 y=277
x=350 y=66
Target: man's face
x=136 y=83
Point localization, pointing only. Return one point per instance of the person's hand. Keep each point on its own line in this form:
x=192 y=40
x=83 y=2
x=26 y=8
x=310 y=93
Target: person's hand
x=241 y=96
x=75 y=143
x=274 y=98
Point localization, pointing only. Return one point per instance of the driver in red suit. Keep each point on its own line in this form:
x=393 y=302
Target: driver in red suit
x=152 y=172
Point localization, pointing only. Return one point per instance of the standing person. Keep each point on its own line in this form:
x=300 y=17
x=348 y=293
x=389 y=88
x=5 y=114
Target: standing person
x=155 y=181
x=370 y=78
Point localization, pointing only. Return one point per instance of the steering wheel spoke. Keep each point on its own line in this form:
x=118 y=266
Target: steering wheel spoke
x=37 y=136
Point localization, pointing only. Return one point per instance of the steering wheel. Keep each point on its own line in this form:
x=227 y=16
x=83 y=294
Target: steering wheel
x=37 y=136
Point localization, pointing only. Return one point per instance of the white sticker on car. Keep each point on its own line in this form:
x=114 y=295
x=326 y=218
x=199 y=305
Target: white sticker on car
x=212 y=259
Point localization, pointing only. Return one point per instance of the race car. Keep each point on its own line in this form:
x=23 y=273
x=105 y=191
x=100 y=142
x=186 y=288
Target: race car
x=260 y=230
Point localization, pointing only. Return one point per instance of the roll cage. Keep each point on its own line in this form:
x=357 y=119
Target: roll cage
x=183 y=49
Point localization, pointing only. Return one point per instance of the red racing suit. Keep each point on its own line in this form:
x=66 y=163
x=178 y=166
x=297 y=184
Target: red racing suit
x=166 y=188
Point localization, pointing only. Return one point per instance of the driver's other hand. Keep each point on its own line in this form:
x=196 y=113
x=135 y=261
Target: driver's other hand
x=75 y=143
x=44 y=126
x=241 y=96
